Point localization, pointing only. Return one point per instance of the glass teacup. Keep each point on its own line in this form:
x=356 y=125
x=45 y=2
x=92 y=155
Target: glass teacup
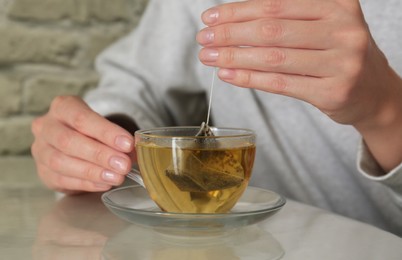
x=195 y=174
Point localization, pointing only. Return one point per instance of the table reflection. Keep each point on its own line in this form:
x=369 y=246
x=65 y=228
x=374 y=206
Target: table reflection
x=80 y=227
x=77 y=227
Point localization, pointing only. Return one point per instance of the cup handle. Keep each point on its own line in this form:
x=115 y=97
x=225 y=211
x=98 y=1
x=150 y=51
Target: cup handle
x=135 y=175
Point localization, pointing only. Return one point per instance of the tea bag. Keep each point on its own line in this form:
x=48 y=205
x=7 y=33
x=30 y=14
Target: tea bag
x=206 y=170
x=199 y=169
x=205 y=130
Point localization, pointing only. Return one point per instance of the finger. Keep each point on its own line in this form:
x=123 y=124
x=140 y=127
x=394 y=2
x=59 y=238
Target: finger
x=67 y=184
x=268 y=32
x=304 y=88
x=77 y=115
x=63 y=165
x=254 y=9
x=76 y=145
x=289 y=61
x=37 y=125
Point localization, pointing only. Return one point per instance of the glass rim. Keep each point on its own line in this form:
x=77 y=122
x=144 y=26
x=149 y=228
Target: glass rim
x=153 y=132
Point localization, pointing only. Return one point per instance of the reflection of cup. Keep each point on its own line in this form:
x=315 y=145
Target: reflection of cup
x=195 y=174
x=251 y=242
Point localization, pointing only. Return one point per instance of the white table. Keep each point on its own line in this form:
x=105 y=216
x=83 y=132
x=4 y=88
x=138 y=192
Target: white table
x=34 y=224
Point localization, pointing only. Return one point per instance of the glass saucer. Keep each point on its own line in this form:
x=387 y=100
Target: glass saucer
x=133 y=204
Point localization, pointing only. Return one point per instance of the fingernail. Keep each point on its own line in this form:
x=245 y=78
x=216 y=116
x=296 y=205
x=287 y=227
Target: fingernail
x=210 y=16
x=227 y=74
x=209 y=55
x=118 y=163
x=124 y=143
x=206 y=36
x=110 y=177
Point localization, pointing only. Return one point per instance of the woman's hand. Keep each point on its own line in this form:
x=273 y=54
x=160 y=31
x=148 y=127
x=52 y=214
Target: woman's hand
x=76 y=149
x=313 y=50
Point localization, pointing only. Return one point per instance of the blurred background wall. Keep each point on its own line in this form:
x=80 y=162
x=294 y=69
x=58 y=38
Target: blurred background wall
x=47 y=48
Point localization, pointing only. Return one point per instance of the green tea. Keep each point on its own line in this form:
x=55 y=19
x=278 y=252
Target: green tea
x=195 y=180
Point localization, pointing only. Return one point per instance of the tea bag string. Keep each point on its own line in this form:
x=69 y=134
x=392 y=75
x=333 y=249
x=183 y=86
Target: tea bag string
x=211 y=90
x=204 y=129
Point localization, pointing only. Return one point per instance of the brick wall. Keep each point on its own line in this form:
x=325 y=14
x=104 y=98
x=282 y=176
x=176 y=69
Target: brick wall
x=47 y=48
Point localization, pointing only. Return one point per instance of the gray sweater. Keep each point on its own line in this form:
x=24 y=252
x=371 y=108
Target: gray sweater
x=154 y=76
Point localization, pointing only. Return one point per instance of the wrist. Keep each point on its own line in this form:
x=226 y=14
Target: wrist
x=382 y=128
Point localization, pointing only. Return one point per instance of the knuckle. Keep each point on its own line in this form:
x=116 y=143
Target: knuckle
x=270 y=31
x=246 y=79
x=353 y=34
x=361 y=40
x=90 y=173
x=226 y=34
x=107 y=134
x=36 y=126
x=99 y=155
x=274 y=57
x=55 y=161
x=63 y=140
x=271 y=7
x=61 y=104
x=339 y=97
x=58 y=102
x=79 y=120
x=356 y=67
x=279 y=84
x=229 y=56
x=231 y=12
x=353 y=67
x=87 y=185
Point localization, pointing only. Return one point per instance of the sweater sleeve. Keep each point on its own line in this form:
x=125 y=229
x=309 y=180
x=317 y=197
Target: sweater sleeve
x=370 y=169
x=153 y=74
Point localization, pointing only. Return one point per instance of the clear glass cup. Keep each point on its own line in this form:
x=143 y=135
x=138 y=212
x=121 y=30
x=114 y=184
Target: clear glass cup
x=195 y=174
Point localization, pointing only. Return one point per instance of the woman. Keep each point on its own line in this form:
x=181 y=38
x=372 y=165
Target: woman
x=338 y=103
